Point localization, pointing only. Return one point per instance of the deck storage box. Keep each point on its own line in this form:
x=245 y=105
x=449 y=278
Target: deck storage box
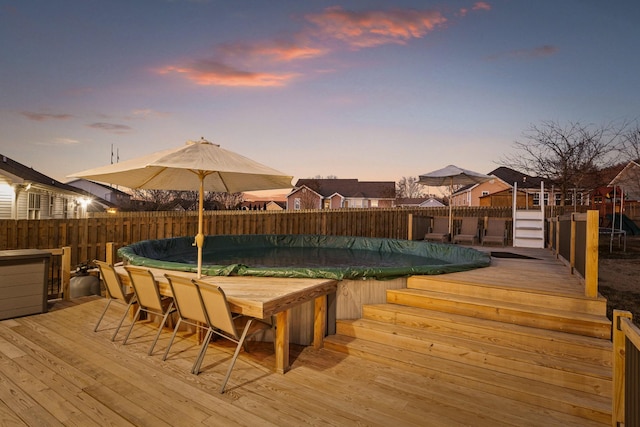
x=23 y=282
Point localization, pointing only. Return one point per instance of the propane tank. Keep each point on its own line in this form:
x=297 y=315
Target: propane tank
x=83 y=283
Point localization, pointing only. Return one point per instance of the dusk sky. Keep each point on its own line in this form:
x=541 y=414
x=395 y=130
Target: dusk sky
x=373 y=90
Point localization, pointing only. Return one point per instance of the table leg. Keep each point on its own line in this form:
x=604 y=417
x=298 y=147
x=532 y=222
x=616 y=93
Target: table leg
x=319 y=321
x=282 y=342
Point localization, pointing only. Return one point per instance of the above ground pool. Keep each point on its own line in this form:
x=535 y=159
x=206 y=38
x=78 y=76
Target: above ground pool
x=318 y=256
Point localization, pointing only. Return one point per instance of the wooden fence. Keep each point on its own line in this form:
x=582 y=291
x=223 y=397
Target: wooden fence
x=626 y=370
x=87 y=237
x=574 y=239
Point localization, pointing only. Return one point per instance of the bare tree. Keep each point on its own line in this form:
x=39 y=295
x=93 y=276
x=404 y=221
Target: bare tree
x=228 y=200
x=631 y=144
x=408 y=187
x=570 y=156
x=151 y=200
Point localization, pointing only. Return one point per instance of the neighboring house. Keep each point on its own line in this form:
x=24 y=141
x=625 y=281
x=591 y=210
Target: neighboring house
x=341 y=193
x=628 y=179
x=28 y=194
x=469 y=195
x=420 y=202
x=498 y=191
x=105 y=192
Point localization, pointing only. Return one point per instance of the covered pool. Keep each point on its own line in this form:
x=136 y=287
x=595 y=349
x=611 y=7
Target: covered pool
x=317 y=256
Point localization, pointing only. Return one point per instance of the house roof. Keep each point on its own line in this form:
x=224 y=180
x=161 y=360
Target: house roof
x=14 y=169
x=418 y=201
x=350 y=188
x=510 y=176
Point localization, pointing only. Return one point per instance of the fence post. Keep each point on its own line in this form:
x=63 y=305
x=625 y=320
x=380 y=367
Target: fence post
x=410 y=227
x=572 y=244
x=557 y=237
x=591 y=255
x=110 y=256
x=619 y=339
x=65 y=272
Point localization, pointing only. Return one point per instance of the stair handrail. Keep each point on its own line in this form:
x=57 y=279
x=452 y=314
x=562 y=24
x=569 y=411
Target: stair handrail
x=626 y=369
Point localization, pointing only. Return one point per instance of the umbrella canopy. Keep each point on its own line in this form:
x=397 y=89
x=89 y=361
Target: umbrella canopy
x=450 y=176
x=198 y=165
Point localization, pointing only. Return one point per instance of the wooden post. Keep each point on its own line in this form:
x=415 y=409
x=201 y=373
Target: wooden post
x=572 y=244
x=65 y=272
x=557 y=237
x=410 y=227
x=591 y=255
x=282 y=341
x=617 y=410
x=110 y=256
x=319 y=321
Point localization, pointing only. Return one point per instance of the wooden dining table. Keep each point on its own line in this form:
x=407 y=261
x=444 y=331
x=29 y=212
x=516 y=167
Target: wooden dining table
x=263 y=297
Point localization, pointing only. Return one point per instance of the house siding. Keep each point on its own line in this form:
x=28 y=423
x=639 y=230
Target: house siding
x=473 y=195
x=6 y=199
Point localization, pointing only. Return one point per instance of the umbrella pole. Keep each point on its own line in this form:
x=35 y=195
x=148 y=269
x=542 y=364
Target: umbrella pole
x=199 y=242
x=450 y=210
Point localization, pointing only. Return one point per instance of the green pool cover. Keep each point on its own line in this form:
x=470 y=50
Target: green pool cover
x=305 y=256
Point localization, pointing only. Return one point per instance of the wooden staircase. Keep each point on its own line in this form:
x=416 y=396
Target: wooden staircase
x=510 y=346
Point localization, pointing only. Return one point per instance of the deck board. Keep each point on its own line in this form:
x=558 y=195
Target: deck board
x=54 y=370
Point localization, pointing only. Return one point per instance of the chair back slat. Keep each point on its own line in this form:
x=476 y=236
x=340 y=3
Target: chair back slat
x=496 y=227
x=217 y=308
x=145 y=287
x=440 y=224
x=112 y=282
x=469 y=226
x=186 y=298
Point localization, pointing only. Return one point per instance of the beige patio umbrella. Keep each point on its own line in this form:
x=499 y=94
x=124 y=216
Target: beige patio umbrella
x=199 y=165
x=450 y=176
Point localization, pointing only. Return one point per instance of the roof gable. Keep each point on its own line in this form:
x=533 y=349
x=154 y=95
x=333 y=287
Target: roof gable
x=350 y=188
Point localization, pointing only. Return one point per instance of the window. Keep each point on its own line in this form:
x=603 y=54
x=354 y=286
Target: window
x=536 y=199
x=51 y=205
x=34 y=206
x=373 y=203
x=296 y=204
x=485 y=193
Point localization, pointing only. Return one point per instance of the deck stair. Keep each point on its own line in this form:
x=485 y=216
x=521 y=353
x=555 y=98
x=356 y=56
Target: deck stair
x=541 y=348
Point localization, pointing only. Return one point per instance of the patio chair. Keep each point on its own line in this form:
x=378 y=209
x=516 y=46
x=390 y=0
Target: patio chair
x=190 y=311
x=468 y=232
x=149 y=300
x=114 y=292
x=439 y=232
x=236 y=328
x=496 y=232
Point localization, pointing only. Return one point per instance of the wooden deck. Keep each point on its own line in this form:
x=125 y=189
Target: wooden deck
x=54 y=370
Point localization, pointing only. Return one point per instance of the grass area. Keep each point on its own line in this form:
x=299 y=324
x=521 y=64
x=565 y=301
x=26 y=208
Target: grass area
x=619 y=277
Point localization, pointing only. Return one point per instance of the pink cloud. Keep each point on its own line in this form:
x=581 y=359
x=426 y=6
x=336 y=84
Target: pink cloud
x=481 y=5
x=211 y=72
x=281 y=50
x=374 y=28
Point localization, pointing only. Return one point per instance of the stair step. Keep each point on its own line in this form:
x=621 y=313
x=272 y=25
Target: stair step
x=572 y=374
x=560 y=301
x=480 y=379
x=521 y=314
x=545 y=342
